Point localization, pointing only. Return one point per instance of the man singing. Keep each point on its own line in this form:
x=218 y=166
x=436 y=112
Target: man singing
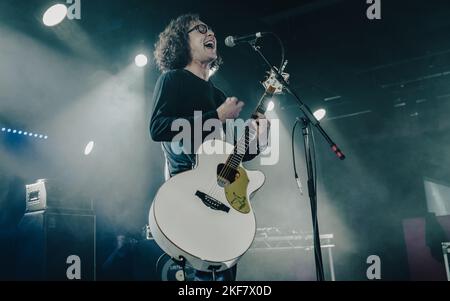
x=186 y=52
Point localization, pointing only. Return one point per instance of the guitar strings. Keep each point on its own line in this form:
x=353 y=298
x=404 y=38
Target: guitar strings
x=226 y=169
x=215 y=189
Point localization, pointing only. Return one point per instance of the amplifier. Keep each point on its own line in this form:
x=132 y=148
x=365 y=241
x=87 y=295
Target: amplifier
x=48 y=242
x=49 y=194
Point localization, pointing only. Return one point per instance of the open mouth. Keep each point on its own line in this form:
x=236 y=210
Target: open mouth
x=210 y=45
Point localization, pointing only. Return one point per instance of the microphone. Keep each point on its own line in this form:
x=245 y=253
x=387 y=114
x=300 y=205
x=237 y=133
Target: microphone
x=233 y=41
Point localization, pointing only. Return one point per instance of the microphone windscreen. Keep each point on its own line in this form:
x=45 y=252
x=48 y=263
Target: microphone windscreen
x=229 y=41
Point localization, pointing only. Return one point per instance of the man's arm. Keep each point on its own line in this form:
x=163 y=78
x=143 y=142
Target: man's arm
x=167 y=100
x=232 y=112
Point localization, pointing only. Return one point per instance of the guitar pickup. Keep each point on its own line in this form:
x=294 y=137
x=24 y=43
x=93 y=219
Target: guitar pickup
x=212 y=202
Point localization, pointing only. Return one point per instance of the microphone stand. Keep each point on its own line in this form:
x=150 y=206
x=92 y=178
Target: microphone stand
x=307 y=120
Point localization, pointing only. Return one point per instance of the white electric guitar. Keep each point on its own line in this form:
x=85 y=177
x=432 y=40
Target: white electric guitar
x=204 y=215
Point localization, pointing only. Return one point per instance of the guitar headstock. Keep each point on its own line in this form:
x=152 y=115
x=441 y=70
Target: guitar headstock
x=272 y=81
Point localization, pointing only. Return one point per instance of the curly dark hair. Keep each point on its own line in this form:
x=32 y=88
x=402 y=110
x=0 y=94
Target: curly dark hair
x=172 y=49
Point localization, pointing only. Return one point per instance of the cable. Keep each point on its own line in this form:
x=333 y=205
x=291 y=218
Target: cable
x=313 y=147
x=252 y=43
x=313 y=140
x=281 y=47
x=157 y=262
x=312 y=187
x=293 y=158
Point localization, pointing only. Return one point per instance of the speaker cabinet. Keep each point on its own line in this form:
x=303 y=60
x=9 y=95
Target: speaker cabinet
x=48 y=242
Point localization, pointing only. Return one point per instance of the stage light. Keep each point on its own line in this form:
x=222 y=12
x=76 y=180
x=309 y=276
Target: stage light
x=45 y=137
x=270 y=106
x=140 y=60
x=320 y=114
x=22 y=132
x=88 y=148
x=54 y=15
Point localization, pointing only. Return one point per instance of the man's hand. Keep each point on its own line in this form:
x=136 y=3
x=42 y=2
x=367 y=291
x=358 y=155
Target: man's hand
x=262 y=127
x=230 y=109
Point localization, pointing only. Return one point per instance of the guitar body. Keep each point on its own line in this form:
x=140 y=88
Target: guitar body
x=207 y=221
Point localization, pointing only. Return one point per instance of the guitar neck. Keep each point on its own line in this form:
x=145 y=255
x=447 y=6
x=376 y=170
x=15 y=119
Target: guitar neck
x=241 y=147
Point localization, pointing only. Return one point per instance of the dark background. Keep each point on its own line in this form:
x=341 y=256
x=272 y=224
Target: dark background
x=384 y=83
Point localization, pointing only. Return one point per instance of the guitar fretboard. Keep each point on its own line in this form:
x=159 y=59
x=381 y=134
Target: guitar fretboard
x=241 y=147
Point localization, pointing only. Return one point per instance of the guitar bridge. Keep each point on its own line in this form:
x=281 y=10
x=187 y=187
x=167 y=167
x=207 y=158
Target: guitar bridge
x=212 y=202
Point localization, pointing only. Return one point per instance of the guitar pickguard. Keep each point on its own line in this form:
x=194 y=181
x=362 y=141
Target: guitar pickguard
x=236 y=192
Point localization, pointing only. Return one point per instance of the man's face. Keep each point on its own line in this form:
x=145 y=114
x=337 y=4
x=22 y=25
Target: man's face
x=202 y=42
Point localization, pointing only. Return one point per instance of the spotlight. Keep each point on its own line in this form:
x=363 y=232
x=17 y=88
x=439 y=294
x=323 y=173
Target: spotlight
x=30 y=134
x=54 y=15
x=45 y=137
x=35 y=135
x=270 y=106
x=19 y=132
x=3 y=129
x=320 y=114
x=41 y=136
x=14 y=131
x=88 y=148
x=9 y=130
x=25 y=133
x=140 y=60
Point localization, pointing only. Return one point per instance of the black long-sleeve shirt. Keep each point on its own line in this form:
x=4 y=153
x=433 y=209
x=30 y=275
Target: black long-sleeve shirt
x=178 y=93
